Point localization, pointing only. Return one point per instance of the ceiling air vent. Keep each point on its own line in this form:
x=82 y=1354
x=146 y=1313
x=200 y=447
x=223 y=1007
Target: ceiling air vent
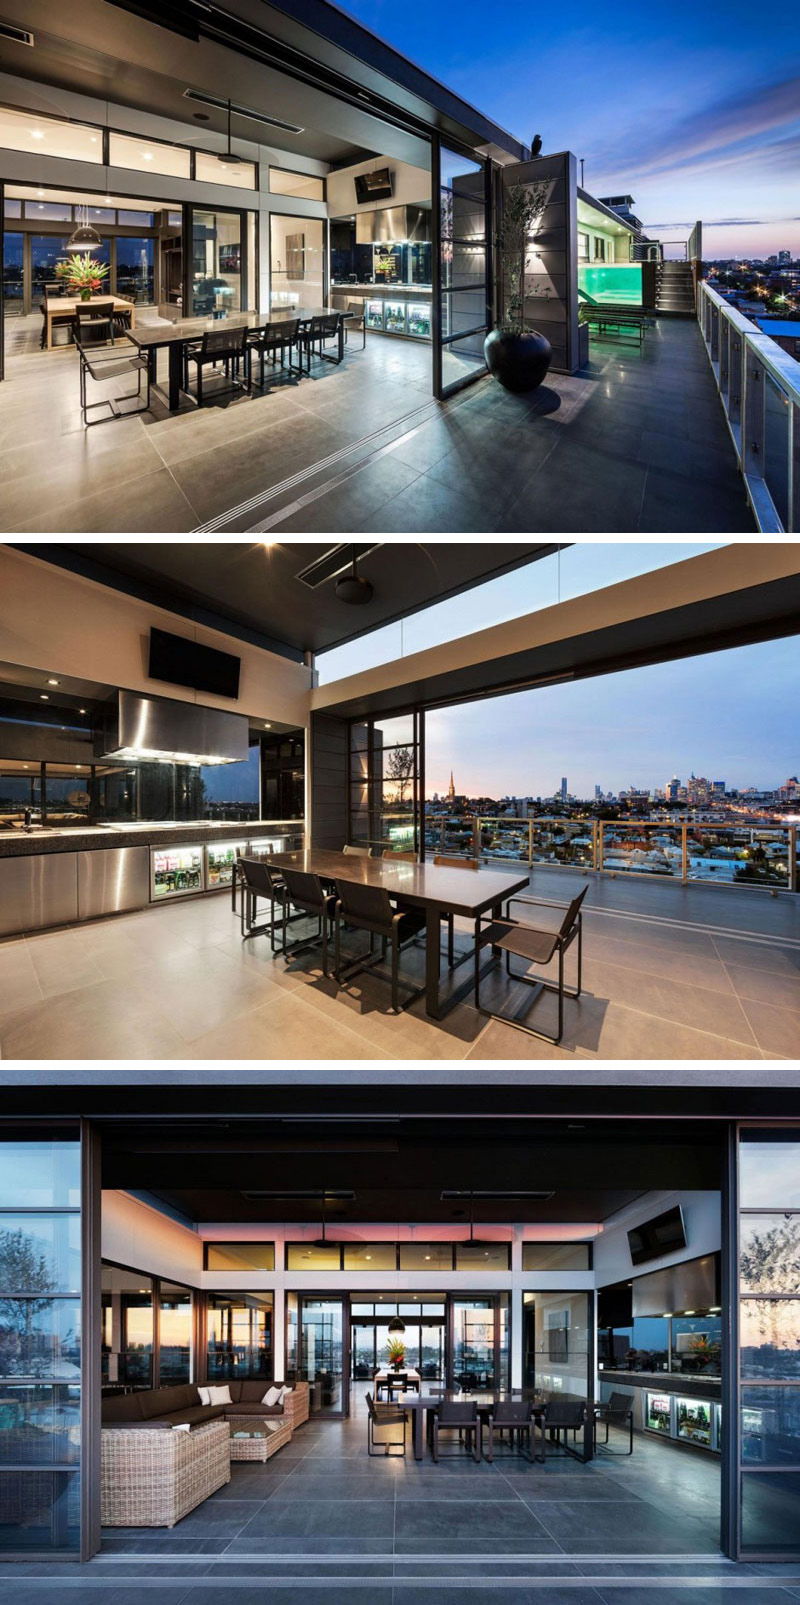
x=333 y=563
x=19 y=36
x=242 y=111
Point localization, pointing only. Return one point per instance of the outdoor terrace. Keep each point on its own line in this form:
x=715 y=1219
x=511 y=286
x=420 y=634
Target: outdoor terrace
x=698 y=973
x=635 y=442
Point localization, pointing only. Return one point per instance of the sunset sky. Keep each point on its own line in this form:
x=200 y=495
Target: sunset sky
x=694 y=110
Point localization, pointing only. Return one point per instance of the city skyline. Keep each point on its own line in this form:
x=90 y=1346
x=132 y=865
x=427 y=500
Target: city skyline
x=696 y=115
x=727 y=716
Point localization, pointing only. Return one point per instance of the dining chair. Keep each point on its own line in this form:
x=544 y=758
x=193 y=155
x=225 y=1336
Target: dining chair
x=381 y=1416
x=228 y=346
x=616 y=1412
x=51 y=292
x=565 y=1416
x=317 y=333
x=258 y=880
x=456 y=1415
x=93 y=322
x=369 y=908
x=535 y=946
x=276 y=341
x=515 y=1417
x=110 y=361
x=361 y=852
x=356 y=323
x=306 y=893
x=443 y=861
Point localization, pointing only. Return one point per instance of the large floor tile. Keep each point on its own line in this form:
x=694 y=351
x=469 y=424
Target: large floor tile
x=775 y=1030
x=19 y=981
x=321 y=1518
x=765 y=986
x=99 y=1022
x=287 y=1028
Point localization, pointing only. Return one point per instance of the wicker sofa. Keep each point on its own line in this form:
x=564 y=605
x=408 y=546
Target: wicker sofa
x=152 y=1479
x=180 y=1405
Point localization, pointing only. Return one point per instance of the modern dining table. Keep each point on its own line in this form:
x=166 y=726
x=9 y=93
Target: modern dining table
x=62 y=309
x=435 y=888
x=174 y=337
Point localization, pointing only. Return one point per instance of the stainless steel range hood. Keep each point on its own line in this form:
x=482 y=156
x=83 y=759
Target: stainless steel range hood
x=159 y=730
x=394 y=225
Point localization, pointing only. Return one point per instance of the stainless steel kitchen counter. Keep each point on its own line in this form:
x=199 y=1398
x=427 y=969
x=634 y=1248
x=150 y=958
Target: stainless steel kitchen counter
x=80 y=838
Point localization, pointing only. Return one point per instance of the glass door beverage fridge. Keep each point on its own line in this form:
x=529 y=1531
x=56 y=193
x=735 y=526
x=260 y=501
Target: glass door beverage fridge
x=175 y=871
x=220 y=862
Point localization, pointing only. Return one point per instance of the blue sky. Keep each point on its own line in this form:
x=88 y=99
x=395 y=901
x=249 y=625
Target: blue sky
x=694 y=110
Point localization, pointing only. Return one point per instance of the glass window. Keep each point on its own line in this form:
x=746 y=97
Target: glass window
x=240 y=1256
x=556 y=1257
x=370 y=1256
x=239 y=1336
x=49 y=212
x=297 y=260
x=477 y=1257
x=12 y=301
x=303 y=185
x=39 y=1337
x=473 y=1339
x=41 y=1510
x=770 y=1339
x=147 y=156
x=769 y=1253
x=304 y=1257
x=696 y=1345
x=40 y=1423
x=556 y=1342
x=175 y=1334
x=769 y=1172
x=40 y=1253
x=583 y=247
x=127 y=1327
x=426 y=1256
x=209 y=169
x=132 y=219
x=12 y=208
x=47 y=136
x=216 y=267
x=770 y=1511
x=40 y=1174
x=771 y=1426
x=135 y=269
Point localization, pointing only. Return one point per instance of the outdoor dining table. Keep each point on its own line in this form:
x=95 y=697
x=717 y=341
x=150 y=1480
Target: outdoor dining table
x=174 y=337
x=396 y=1381
x=62 y=309
x=422 y=1406
x=433 y=887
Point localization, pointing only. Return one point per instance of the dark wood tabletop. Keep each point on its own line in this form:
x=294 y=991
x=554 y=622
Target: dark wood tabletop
x=436 y=888
x=165 y=334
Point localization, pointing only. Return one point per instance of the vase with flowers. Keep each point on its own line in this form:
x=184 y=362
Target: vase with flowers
x=82 y=275
x=397 y=1354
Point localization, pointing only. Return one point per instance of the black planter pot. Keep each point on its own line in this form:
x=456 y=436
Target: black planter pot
x=519 y=362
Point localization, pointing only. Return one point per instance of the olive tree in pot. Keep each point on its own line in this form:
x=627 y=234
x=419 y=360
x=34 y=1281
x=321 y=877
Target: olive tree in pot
x=518 y=358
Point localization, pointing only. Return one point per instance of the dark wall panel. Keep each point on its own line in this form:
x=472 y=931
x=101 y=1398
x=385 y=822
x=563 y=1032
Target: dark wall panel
x=328 y=781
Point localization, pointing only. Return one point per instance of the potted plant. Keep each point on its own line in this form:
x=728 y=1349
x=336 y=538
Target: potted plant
x=397 y=1354
x=518 y=358
x=83 y=275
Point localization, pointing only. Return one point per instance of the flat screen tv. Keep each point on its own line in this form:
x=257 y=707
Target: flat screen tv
x=377 y=186
x=661 y=1235
x=182 y=662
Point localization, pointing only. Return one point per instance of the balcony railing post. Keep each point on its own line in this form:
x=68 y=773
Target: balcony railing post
x=684 y=854
x=595 y=864
x=792 y=858
x=476 y=837
x=600 y=854
x=530 y=844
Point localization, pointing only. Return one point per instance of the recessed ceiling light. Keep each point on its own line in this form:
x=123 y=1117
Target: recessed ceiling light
x=267 y=725
x=202 y=116
x=43 y=697
x=36 y=133
x=81 y=710
x=53 y=682
x=93 y=139
x=147 y=156
x=40 y=192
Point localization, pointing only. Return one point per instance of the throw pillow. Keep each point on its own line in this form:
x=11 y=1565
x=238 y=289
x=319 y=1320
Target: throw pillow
x=220 y=1395
x=204 y=1395
x=272 y=1396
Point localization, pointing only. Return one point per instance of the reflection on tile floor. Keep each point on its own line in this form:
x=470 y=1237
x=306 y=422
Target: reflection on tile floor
x=670 y=973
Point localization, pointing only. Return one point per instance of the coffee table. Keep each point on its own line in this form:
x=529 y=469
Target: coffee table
x=254 y=1438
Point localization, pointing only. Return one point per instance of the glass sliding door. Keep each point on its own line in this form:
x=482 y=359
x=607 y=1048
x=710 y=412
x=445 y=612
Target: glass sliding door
x=462 y=296
x=135 y=278
x=13 y=274
x=385 y=784
x=323 y=1333
x=238 y=1336
x=296 y=261
x=217 y=271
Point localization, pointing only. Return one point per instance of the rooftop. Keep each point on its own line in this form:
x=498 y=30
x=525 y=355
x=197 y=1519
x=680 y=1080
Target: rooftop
x=637 y=442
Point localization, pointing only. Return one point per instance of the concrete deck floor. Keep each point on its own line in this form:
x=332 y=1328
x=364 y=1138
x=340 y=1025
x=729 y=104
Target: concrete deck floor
x=324 y=1521
x=635 y=443
x=701 y=975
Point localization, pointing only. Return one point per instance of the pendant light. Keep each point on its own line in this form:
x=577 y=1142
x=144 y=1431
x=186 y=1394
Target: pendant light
x=322 y=1242
x=352 y=588
x=396 y=1325
x=229 y=157
x=83 y=237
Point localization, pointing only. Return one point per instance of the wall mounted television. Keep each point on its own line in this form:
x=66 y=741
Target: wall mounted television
x=182 y=662
x=664 y=1234
x=377 y=186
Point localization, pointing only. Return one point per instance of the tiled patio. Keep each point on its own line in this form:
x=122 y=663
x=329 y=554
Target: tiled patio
x=696 y=974
x=323 y=1520
x=637 y=442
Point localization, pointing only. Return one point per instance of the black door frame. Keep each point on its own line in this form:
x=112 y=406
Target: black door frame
x=342 y=1299
x=440 y=390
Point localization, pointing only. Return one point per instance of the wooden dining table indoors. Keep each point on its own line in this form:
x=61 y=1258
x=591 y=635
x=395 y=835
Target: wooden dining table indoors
x=61 y=308
x=433 y=887
x=173 y=337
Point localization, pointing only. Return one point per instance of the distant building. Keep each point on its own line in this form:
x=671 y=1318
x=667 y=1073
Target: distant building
x=784 y=258
x=672 y=789
x=451 y=790
x=563 y=789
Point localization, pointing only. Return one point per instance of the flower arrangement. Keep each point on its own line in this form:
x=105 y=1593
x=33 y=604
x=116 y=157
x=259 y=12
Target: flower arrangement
x=397 y=1353
x=83 y=275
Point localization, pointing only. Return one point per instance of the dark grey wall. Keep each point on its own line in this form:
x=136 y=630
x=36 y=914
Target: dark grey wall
x=328 y=781
x=551 y=279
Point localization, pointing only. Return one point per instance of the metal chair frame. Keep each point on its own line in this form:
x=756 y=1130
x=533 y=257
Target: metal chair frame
x=571 y=931
x=356 y=326
x=551 y=1423
x=318 y=332
x=213 y=349
x=322 y=912
x=468 y=1425
x=116 y=365
x=609 y=1414
x=522 y=1423
x=275 y=337
x=384 y=1415
x=371 y=960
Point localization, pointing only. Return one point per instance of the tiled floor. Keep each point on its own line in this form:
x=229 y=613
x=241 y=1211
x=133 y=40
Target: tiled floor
x=637 y=442
x=323 y=1520
x=704 y=975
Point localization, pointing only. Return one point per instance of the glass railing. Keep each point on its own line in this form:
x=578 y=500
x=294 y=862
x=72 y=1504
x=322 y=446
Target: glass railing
x=759 y=384
x=748 y=853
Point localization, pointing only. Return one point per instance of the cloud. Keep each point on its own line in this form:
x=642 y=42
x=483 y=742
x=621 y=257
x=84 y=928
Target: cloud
x=733 y=124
